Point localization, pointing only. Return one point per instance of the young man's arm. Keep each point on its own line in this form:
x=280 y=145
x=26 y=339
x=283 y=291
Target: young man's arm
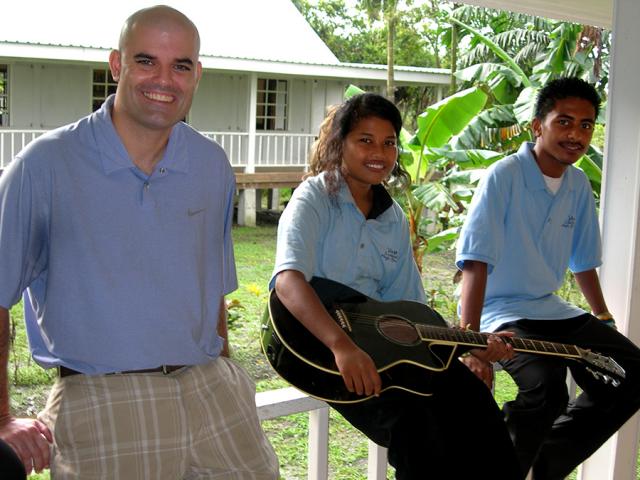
x=589 y=284
x=29 y=438
x=474 y=284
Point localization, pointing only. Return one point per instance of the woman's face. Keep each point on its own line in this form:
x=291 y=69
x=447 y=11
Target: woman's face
x=369 y=152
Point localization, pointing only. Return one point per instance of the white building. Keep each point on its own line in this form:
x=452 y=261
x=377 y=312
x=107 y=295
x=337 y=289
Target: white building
x=267 y=77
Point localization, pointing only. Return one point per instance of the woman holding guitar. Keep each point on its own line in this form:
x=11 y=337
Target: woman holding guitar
x=341 y=224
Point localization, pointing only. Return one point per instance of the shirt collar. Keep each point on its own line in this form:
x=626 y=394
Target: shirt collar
x=533 y=178
x=382 y=201
x=114 y=155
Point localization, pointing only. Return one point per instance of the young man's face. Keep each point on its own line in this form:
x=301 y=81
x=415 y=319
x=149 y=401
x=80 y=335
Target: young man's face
x=157 y=72
x=563 y=135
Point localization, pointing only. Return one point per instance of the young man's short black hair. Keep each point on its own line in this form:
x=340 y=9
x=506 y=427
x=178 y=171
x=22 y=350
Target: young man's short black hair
x=562 y=88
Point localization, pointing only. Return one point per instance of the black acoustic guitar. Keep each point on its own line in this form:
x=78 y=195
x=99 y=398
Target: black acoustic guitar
x=407 y=341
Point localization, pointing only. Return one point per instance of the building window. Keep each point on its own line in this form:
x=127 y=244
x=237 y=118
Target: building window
x=272 y=105
x=103 y=86
x=4 y=96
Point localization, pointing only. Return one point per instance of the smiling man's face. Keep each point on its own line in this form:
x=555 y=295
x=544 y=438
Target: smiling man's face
x=157 y=70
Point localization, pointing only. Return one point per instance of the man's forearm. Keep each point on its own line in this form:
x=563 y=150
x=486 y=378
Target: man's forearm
x=4 y=360
x=474 y=284
x=589 y=284
x=222 y=327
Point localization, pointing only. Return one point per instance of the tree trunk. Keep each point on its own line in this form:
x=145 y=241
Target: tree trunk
x=391 y=33
x=454 y=54
x=454 y=58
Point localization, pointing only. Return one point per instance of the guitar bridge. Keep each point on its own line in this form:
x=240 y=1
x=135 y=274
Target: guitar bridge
x=343 y=320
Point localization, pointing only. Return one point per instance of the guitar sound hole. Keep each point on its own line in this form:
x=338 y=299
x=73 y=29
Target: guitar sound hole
x=398 y=330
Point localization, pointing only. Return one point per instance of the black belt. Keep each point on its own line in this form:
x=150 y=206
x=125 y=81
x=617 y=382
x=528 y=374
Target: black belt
x=164 y=369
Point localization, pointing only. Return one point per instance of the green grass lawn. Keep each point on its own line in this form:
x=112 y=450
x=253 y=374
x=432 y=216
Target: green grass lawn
x=255 y=251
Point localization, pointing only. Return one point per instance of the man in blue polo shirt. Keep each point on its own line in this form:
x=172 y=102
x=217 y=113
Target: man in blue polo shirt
x=119 y=227
x=532 y=217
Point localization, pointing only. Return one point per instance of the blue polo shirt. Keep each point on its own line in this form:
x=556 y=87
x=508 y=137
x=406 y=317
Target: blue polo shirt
x=328 y=236
x=125 y=270
x=528 y=237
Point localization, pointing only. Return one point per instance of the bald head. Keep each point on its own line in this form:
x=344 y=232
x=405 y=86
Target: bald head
x=157 y=70
x=159 y=16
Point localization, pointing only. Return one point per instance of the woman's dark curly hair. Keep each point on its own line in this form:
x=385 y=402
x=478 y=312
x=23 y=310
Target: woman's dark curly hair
x=326 y=152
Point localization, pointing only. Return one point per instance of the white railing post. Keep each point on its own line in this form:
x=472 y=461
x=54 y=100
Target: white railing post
x=377 y=463
x=318 y=463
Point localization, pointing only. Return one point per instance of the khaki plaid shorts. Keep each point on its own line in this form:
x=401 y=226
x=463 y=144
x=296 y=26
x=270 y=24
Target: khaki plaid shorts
x=199 y=422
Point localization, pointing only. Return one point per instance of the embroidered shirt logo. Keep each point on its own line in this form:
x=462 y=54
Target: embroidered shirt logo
x=195 y=211
x=570 y=222
x=390 y=255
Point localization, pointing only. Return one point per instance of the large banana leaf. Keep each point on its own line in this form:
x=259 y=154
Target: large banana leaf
x=502 y=81
x=487 y=128
x=496 y=49
x=442 y=239
x=435 y=196
x=471 y=158
x=484 y=72
x=591 y=165
x=351 y=91
x=524 y=107
x=442 y=120
x=560 y=49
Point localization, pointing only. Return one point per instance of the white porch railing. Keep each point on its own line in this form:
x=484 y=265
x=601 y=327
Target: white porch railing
x=287 y=401
x=282 y=149
x=12 y=141
x=273 y=149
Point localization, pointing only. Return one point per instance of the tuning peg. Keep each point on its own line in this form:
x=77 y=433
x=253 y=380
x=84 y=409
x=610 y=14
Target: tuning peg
x=595 y=374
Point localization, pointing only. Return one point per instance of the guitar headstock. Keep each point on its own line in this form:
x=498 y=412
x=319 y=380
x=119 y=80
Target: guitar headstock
x=601 y=367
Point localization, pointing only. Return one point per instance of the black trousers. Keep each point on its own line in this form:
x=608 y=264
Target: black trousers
x=456 y=434
x=11 y=467
x=550 y=433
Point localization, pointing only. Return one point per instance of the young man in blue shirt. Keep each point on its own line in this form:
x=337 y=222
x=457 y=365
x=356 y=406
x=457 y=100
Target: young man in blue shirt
x=532 y=217
x=119 y=227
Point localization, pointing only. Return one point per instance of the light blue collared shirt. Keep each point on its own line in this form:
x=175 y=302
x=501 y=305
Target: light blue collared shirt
x=125 y=270
x=329 y=237
x=528 y=237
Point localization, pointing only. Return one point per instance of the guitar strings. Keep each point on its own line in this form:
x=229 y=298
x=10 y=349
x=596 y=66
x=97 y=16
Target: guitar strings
x=440 y=333
x=462 y=336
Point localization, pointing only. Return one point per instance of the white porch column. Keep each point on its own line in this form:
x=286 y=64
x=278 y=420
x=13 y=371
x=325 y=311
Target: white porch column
x=247 y=198
x=620 y=212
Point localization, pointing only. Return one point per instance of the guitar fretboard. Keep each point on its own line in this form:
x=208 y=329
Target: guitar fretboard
x=476 y=339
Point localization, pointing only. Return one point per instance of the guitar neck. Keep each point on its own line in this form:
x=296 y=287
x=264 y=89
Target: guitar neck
x=479 y=340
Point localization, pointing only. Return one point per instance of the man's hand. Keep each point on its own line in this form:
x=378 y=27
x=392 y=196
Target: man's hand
x=480 y=362
x=497 y=349
x=30 y=439
x=482 y=369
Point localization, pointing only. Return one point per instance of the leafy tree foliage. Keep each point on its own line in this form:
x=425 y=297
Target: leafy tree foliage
x=499 y=60
x=354 y=37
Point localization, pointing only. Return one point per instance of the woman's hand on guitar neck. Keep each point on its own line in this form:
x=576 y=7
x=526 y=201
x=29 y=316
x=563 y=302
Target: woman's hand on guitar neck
x=357 y=369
